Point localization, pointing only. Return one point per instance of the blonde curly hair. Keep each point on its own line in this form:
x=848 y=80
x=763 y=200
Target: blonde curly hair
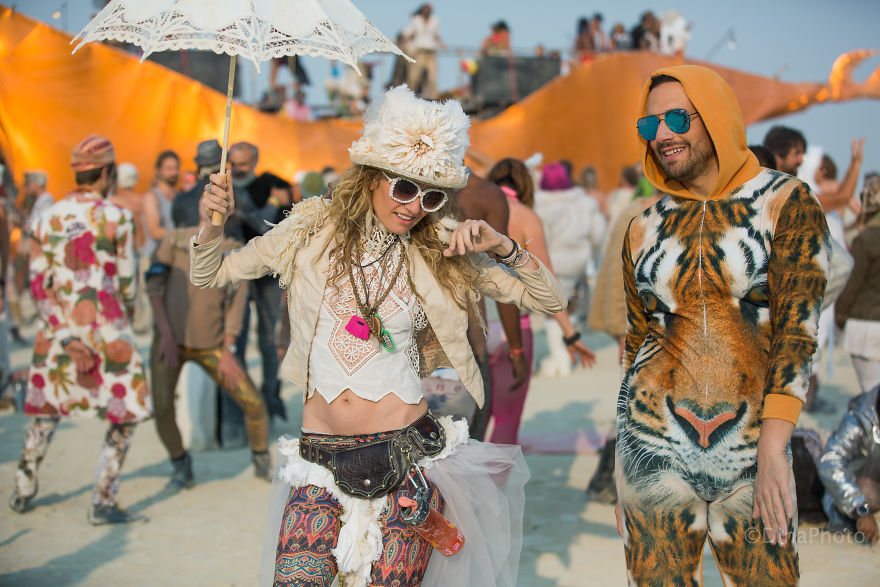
x=351 y=211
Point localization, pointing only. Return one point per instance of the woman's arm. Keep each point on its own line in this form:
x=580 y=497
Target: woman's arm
x=536 y=244
x=208 y=266
x=847 y=188
x=533 y=287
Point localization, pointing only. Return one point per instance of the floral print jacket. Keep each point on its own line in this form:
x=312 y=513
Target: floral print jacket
x=83 y=276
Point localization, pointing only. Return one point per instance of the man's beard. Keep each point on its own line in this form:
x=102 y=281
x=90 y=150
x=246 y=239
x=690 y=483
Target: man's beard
x=170 y=181
x=243 y=181
x=700 y=156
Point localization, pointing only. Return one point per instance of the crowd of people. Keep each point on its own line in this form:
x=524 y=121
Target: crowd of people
x=720 y=276
x=348 y=93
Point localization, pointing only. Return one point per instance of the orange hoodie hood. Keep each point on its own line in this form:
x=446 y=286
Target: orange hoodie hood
x=721 y=115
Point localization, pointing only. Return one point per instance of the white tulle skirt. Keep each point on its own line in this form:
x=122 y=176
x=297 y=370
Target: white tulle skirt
x=482 y=484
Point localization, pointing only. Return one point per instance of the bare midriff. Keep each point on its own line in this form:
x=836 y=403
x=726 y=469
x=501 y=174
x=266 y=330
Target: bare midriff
x=349 y=414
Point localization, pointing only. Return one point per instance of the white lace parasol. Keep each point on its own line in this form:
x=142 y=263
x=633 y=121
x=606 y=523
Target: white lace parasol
x=255 y=29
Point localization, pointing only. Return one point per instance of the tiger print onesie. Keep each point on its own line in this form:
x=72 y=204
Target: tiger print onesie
x=723 y=297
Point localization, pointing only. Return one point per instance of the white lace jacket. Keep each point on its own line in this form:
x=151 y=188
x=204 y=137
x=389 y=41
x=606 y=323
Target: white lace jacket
x=296 y=250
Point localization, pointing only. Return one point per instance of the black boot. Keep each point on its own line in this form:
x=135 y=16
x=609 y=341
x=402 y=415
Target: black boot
x=262 y=465
x=601 y=487
x=182 y=477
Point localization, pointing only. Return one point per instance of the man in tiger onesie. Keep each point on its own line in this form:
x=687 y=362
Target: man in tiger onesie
x=724 y=278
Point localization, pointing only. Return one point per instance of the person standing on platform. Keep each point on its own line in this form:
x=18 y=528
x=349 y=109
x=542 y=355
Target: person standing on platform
x=422 y=35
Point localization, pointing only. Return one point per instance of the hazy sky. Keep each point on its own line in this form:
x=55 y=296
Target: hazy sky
x=796 y=39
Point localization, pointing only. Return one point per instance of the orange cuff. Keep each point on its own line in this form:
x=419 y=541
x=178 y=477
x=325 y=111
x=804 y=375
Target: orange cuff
x=784 y=407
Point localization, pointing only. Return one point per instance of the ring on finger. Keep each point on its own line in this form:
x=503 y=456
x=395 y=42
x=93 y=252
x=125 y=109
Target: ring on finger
x=208 y=188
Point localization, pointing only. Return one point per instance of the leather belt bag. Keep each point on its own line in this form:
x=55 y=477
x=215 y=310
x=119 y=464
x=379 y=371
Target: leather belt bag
x=376 y=468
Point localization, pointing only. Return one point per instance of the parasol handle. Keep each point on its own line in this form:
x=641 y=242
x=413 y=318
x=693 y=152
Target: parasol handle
x=216 y=217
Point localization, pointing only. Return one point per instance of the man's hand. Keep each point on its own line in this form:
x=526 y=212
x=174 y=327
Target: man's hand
x=229 y=370
x=169 y=351
x=82 y=356
x=773 y=502
x=520 y=369
x=867 y=525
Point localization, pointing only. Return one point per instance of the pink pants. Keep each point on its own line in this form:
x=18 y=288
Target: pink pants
x=507 y=404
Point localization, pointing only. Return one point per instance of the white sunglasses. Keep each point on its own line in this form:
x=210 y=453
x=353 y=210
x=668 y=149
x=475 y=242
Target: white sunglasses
x=404 y=191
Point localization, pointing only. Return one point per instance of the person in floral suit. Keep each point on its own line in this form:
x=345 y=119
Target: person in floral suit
x=85 y=363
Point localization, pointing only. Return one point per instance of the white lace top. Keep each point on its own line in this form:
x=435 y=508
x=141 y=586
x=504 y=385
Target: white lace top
x=340 y=361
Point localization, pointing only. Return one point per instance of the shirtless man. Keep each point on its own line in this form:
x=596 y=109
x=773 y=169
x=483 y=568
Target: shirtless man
x=483 y=200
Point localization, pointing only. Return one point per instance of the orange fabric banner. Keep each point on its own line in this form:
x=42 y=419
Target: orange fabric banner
x=50 y=99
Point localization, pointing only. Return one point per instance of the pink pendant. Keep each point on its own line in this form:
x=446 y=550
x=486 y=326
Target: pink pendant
x=358 y=327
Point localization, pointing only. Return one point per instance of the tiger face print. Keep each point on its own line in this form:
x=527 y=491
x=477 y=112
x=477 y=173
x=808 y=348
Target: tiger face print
x=723 y=299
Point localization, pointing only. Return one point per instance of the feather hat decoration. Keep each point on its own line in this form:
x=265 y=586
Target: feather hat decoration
x=418 y=139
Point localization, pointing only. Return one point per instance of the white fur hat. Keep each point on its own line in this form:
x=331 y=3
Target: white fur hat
x=417 y=139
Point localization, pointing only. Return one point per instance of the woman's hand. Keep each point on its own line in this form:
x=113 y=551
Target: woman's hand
x=773 y=501
x=217 y=197
x=581 y=353
x=476 y=236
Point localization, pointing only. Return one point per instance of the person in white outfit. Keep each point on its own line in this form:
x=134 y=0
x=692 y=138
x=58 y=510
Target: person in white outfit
x=575 y=227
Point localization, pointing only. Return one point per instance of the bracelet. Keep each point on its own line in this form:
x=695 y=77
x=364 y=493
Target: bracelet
x=522 y=259
x=68 y=340
x=510 y=258
x=569 y=340
x=515 y=352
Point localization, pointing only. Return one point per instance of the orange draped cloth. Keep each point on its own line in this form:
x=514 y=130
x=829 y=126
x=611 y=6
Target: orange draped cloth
x=50 y=100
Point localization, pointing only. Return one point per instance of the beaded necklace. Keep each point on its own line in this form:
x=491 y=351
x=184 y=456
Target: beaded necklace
x=368 y=322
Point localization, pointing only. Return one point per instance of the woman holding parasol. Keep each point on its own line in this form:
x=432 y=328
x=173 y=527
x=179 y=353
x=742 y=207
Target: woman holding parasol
x=381 y=277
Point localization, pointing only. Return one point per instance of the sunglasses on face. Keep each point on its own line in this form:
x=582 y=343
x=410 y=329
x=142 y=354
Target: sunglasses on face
x=404 y=191
x=678 y=120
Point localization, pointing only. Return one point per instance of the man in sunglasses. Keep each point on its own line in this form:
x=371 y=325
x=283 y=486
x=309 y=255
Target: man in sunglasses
x=723 y=278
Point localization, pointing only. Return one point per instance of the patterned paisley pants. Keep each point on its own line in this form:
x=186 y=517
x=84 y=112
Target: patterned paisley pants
x=112 y=456
x=310 y=528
